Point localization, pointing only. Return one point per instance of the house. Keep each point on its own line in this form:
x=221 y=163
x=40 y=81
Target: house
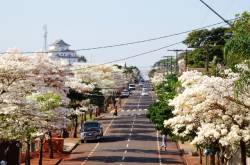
x=59 y=51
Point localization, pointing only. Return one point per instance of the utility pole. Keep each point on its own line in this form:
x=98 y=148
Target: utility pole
x=171 y=65
x=176 y=59
x=166 y=64
x=207 y=59
x=45 y=37
x=185 y=58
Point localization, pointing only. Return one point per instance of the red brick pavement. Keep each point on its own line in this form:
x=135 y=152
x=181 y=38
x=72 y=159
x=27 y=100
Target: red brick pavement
x=47 y=160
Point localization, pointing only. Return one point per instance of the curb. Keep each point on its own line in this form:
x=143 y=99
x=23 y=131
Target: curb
x=59 y=161
x=68 y=152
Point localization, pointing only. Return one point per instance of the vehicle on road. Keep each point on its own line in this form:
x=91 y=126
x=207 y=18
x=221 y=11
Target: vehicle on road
x=144 y=92
x=91 y=130
x=141 y=83
x=131 y=86
x=125 y=93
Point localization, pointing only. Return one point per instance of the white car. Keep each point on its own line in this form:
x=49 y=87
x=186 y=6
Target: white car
x=125 y=93
x=144 y=92
x=131 y=87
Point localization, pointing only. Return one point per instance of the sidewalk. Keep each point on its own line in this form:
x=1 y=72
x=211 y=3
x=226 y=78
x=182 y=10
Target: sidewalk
x=68 y=146
x=188 y=150
x=46 y=160
x=172 y=155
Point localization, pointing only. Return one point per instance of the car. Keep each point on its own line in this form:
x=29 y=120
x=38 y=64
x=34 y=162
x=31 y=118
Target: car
x=141 y=83
x=144 y=92
x=91 y=130
x=131 y=86
x=125 y=93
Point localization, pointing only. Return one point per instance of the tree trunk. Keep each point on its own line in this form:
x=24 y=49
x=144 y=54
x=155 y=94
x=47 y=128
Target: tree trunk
x=41 y=152
x=243 y=152
x=90 y=113
x=82 y=120
x=85 y=116
x=212 y=159
x=51 y=155
x=27 y=156
x=96 y=112
x=76 y=125
x=200 y=153
x=218 y=158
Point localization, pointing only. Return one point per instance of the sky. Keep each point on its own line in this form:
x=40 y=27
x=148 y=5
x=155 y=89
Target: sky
x=93 y=23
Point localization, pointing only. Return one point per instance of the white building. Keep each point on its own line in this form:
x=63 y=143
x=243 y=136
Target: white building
x=59 y=51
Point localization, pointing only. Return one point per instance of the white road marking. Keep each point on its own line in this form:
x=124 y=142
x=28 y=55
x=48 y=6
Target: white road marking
x=125 y=151
x=123 y=157
x=128 y=140
x=108 y=127
x=93 y=150
x=139 y=109
x=127 y=145
x=138 y=105
x=134 y=110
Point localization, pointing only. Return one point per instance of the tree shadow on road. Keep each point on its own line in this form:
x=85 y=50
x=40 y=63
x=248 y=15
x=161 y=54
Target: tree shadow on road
x=128 y=159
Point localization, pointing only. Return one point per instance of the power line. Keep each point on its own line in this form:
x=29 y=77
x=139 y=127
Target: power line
x=209 y=7
x=126 y=43
x=133 y=56
x=126 y=58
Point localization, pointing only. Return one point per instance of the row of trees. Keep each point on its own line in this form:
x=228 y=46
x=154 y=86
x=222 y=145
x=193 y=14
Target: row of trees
x=159 y=111
x=213 y=111
x=38 y=95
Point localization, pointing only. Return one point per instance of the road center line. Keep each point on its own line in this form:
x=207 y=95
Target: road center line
x=93 y=150
x=108 y=127
x=138 y=105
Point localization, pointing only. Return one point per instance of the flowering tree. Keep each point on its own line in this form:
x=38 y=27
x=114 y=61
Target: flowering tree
x=207 y=113
x=21 y=77
x=108 y=78
x=157 y=79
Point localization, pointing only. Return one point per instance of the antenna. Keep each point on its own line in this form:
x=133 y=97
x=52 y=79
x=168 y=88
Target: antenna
x=45 y=37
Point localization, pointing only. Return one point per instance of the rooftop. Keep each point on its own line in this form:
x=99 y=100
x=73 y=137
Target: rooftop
x=60 y=42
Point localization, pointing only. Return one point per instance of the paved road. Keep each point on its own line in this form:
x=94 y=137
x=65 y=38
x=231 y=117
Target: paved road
x=129 y=139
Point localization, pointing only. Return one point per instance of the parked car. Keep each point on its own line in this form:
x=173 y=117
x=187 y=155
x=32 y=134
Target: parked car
x=125 y=93
x=131 y=86
x=91 y=130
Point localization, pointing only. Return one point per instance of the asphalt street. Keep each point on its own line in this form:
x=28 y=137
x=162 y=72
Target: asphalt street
x=129 y=139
